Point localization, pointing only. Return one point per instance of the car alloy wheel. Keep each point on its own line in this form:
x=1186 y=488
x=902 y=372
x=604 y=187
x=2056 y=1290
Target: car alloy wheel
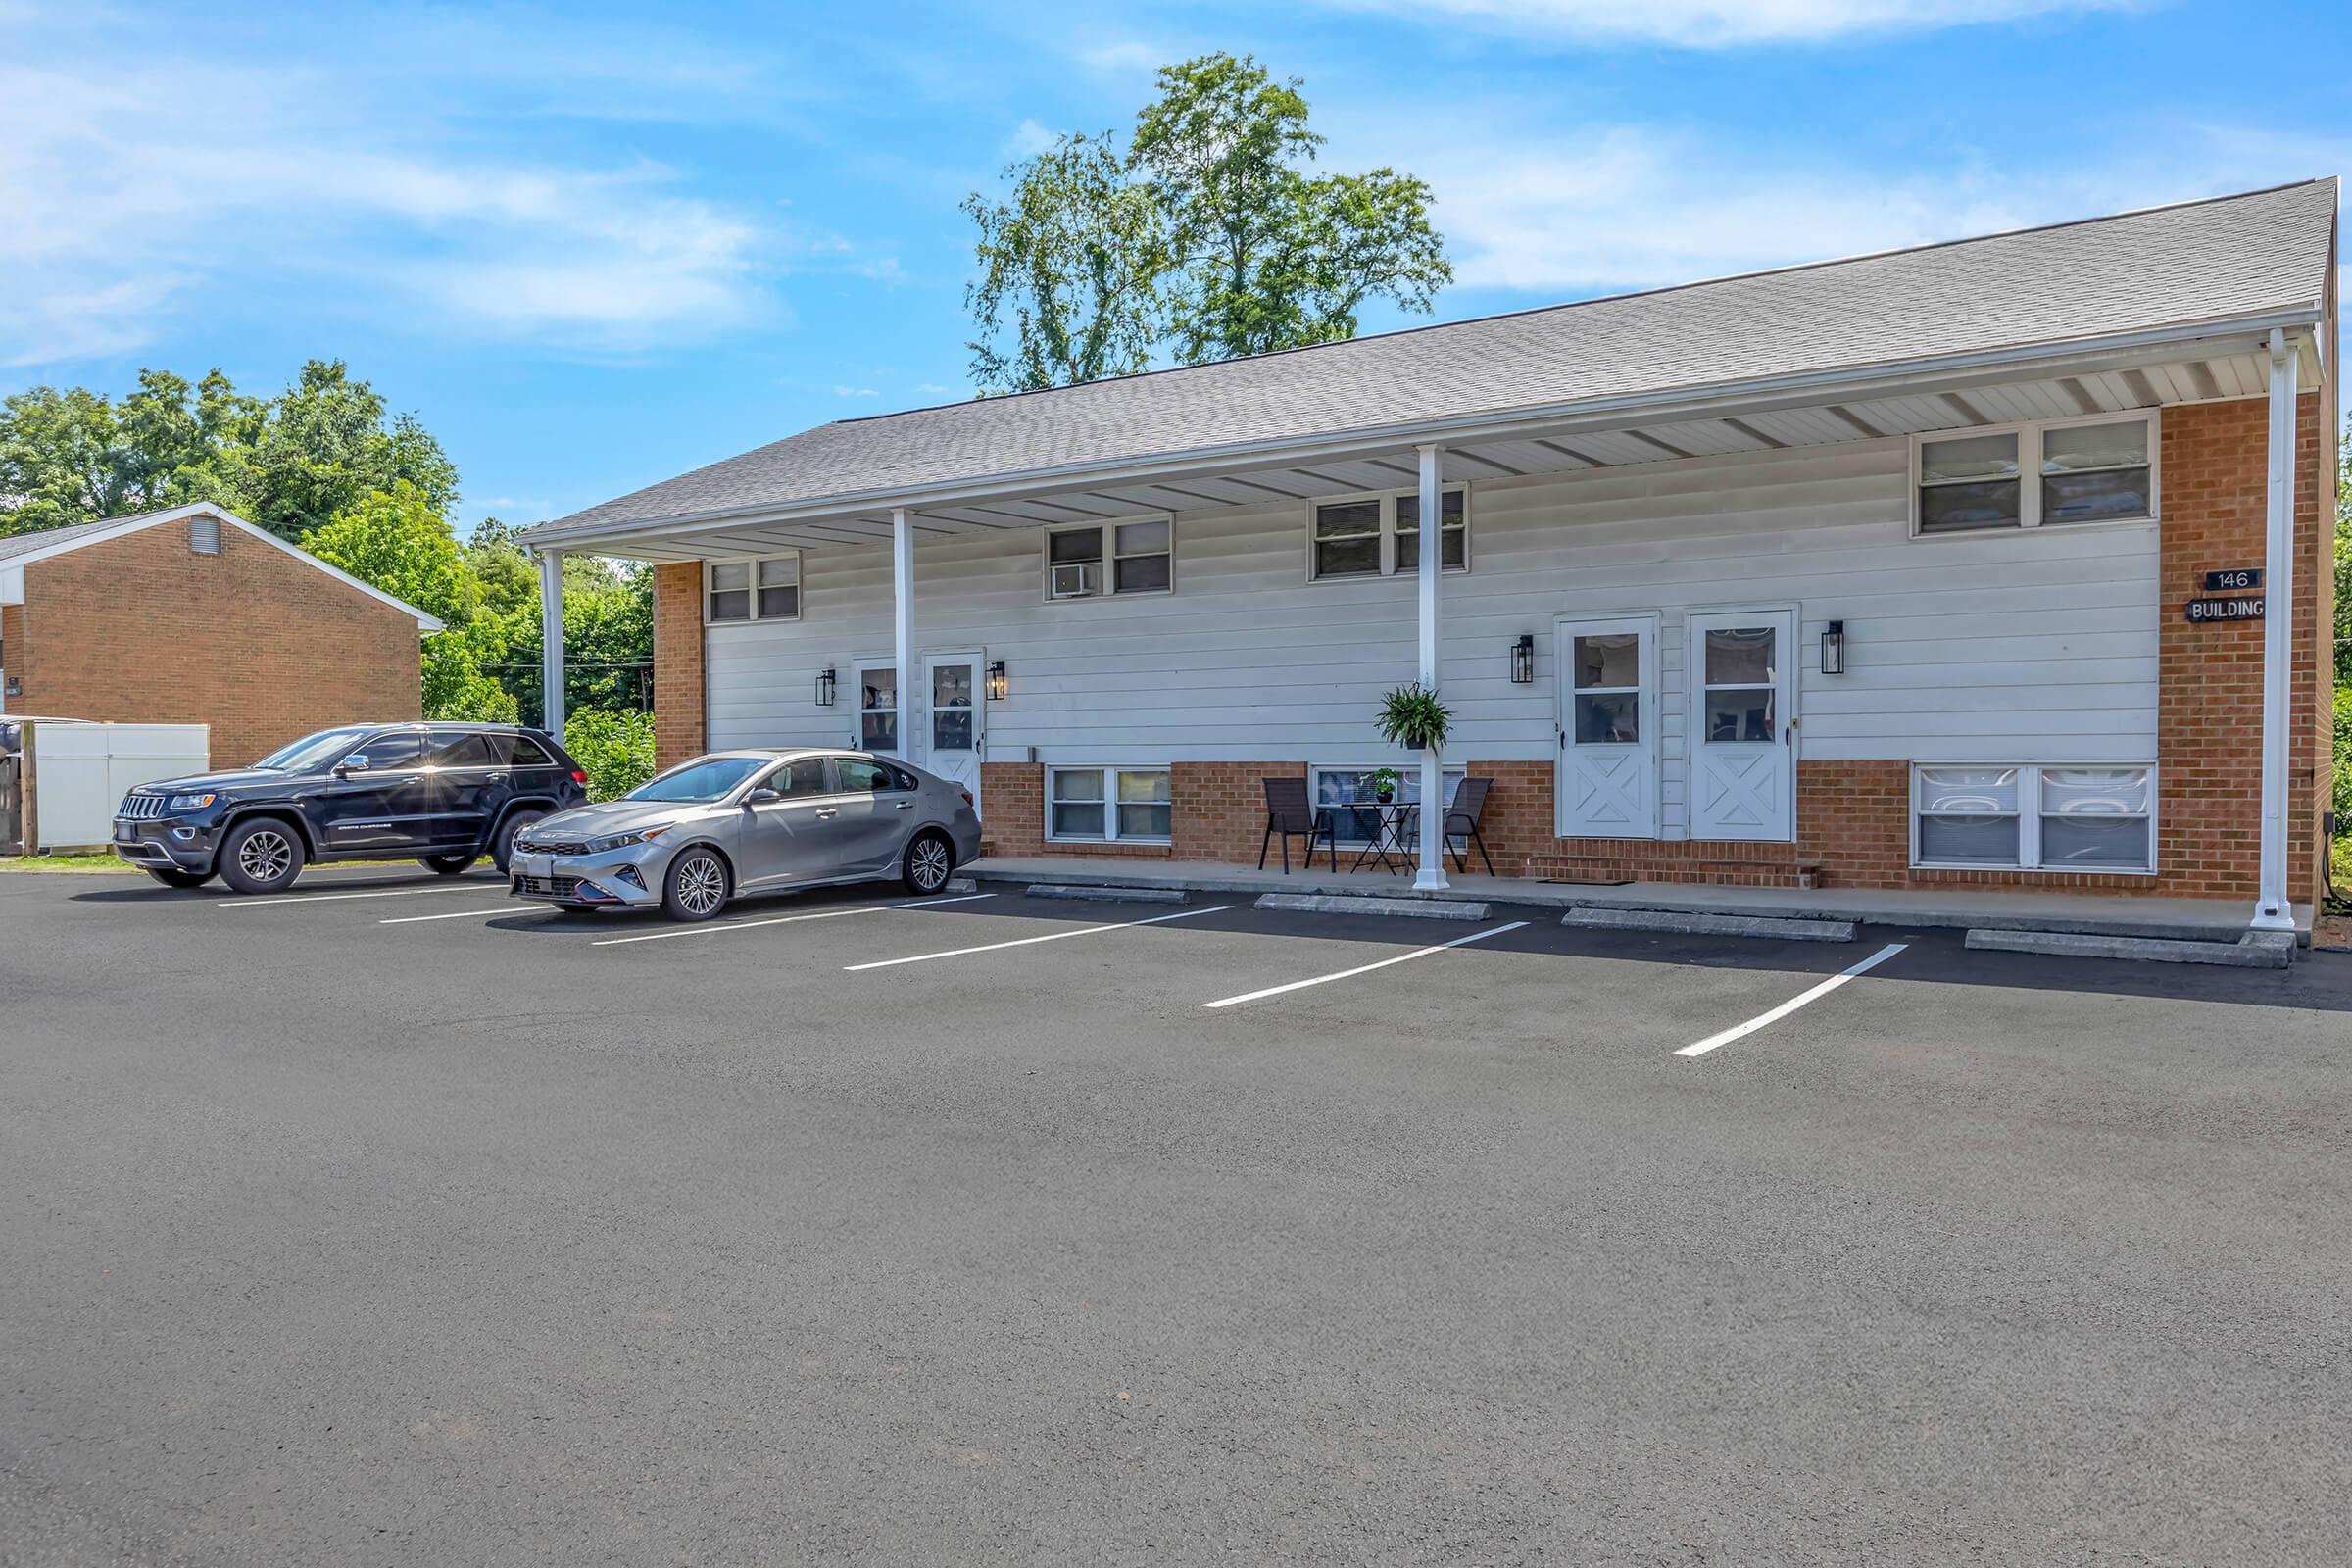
x=266 y=855
x=929 y=862
x=702 y=886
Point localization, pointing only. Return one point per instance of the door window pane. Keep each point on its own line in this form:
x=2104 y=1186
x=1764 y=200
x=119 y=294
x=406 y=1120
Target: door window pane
x=878 y=704
x=804 y=777
x=1738 y=713
x=400 y=748
x=951 y=708
x=1610 y=659
x=1608 y=719
x=1741 y=656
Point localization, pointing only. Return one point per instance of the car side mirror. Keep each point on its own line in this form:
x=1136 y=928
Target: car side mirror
x=760 y=796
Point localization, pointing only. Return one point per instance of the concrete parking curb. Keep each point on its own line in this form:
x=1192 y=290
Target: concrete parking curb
x=959 y=884
x=2254 y=951
x=1106 y=892
x=1711 y=925
x=1357 y=904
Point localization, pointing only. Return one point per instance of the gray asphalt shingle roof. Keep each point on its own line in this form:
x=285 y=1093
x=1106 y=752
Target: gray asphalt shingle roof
x=2227 y=257
x=18 y=544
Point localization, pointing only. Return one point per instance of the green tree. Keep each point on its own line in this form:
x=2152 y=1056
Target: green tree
x=1265 y=256
x=615 y=750
x=323 y=444
x=608 y=640
x=501 y=567
x=396 y=540
x=60 y=460
x=1075 y=258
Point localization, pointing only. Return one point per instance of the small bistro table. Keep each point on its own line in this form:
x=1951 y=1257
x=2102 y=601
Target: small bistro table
x=1393 y=832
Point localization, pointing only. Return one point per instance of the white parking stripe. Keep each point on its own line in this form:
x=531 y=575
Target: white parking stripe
x=785 y=920
x=329 y=898
x=1742 y=1031
x=462 y=914
x=1363 y=968
x=1023 y=942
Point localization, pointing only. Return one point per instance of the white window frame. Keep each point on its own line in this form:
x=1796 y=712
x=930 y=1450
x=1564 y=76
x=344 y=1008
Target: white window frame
x=1388 y=500
x=750 y=564
x=2028 y=821
x=2030 y=475
x=1110 y=833
x=1108 y=528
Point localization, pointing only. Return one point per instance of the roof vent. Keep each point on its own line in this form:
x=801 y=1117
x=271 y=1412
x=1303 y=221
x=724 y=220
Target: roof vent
x=204 y=535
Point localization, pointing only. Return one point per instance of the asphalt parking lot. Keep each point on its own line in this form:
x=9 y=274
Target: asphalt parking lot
x=394 y=1222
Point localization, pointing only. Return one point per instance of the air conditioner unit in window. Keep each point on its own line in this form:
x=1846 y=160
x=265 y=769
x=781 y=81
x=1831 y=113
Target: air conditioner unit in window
x=1078 y=579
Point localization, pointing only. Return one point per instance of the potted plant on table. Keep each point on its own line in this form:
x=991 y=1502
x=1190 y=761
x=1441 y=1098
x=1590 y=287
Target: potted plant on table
x=1384 y=784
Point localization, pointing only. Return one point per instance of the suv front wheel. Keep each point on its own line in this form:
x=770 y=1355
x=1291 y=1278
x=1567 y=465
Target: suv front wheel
x=260 y=854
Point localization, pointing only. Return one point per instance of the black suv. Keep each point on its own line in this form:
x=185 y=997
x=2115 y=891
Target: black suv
x=442 y=794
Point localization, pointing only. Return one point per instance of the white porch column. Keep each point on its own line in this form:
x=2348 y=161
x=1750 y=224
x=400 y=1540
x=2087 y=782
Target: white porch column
x=2271 y=911
x=550 y=642
x=901 y=608
x=1432 y=550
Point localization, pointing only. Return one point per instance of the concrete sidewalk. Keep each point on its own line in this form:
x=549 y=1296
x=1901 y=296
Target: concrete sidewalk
x=1994 y=908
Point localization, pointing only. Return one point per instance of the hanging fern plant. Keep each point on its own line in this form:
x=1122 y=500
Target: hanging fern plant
x=1411 y=716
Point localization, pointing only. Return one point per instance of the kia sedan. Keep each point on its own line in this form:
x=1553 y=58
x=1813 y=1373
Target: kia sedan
x=750 y=821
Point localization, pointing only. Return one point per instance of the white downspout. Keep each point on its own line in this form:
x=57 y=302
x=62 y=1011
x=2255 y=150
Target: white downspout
x=2271 y=911
x=1432 y=550
x=901 y=604
x=550 y=642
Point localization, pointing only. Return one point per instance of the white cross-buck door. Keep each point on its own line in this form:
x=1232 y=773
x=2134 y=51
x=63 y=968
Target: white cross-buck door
x=1743 y=724
x=1607 y=679
x=956 y=717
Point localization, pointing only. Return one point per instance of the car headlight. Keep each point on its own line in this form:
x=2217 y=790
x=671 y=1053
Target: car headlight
x=615 y=841
x=189 y=803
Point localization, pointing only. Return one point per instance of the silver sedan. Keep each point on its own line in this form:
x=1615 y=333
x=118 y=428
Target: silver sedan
x=750 y=821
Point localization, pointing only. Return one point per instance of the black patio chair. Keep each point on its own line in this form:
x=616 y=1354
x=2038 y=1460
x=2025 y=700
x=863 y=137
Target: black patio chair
x=1290 y=815
x=1461 y=821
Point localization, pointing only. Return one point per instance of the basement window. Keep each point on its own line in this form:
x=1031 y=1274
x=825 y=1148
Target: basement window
x=763 y=588
x=2044 y=817
x=2099 y=469
x=1380 y=536
x=1110 y=804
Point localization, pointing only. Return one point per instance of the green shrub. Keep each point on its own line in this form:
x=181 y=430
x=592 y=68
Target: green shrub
x=616 y=749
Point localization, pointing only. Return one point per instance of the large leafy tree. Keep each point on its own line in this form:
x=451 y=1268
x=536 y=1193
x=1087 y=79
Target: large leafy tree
x=1074 y=257
x=1209 y=238
x=1267 y=255
x=290 y=463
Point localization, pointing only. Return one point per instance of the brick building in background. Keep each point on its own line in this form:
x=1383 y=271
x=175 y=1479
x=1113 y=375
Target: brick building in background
x=193 y=615
x=1997 y=564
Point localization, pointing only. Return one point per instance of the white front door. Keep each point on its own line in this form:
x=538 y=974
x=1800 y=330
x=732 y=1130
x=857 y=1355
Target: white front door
x=1743 y=724
x=1607 y=679
x=956 y=717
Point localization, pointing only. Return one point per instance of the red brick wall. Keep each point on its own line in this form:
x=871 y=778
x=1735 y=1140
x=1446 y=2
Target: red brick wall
x=1219 y=813
x=11 y=644
x=253 y=642
x=677 y=663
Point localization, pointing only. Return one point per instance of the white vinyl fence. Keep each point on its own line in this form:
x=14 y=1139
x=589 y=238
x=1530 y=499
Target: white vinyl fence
x=78 y=774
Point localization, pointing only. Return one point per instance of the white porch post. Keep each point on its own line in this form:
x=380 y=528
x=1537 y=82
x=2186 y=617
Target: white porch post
x=1431 y=545
x=2271 y=911
x=550 y=642
x=901 y=604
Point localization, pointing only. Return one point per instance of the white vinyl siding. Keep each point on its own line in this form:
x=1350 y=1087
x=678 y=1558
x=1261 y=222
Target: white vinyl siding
x=1982 y=647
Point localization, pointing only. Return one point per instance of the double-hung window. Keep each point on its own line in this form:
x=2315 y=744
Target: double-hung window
x=1108 y=805
x=1090 y=559
x=766 y=588
x=2101 y=469
x=1380 y=536
x=2043 y=817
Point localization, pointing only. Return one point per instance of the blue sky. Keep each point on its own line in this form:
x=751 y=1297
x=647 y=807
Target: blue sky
x=593 y=250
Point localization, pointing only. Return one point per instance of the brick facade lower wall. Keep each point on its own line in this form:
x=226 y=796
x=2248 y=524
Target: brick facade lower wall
x=253 y=642
x=678 y=700
x=1219 y=813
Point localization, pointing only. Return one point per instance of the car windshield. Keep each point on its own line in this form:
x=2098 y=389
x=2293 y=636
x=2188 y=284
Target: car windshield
x=314 y=751
x=708 y=778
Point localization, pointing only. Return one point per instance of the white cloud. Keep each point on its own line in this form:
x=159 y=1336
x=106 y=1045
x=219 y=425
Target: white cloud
x=840 y=391
x=119 y=215
x=1722 y=24
x=1029 y=139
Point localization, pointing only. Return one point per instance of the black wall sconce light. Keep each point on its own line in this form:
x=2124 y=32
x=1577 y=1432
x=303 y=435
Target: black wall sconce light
x=997 y=685
x=1523 y=659
x=1833 y=648
x=824 y=687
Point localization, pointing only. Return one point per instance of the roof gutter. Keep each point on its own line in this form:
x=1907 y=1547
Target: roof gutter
x=1665 y=405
